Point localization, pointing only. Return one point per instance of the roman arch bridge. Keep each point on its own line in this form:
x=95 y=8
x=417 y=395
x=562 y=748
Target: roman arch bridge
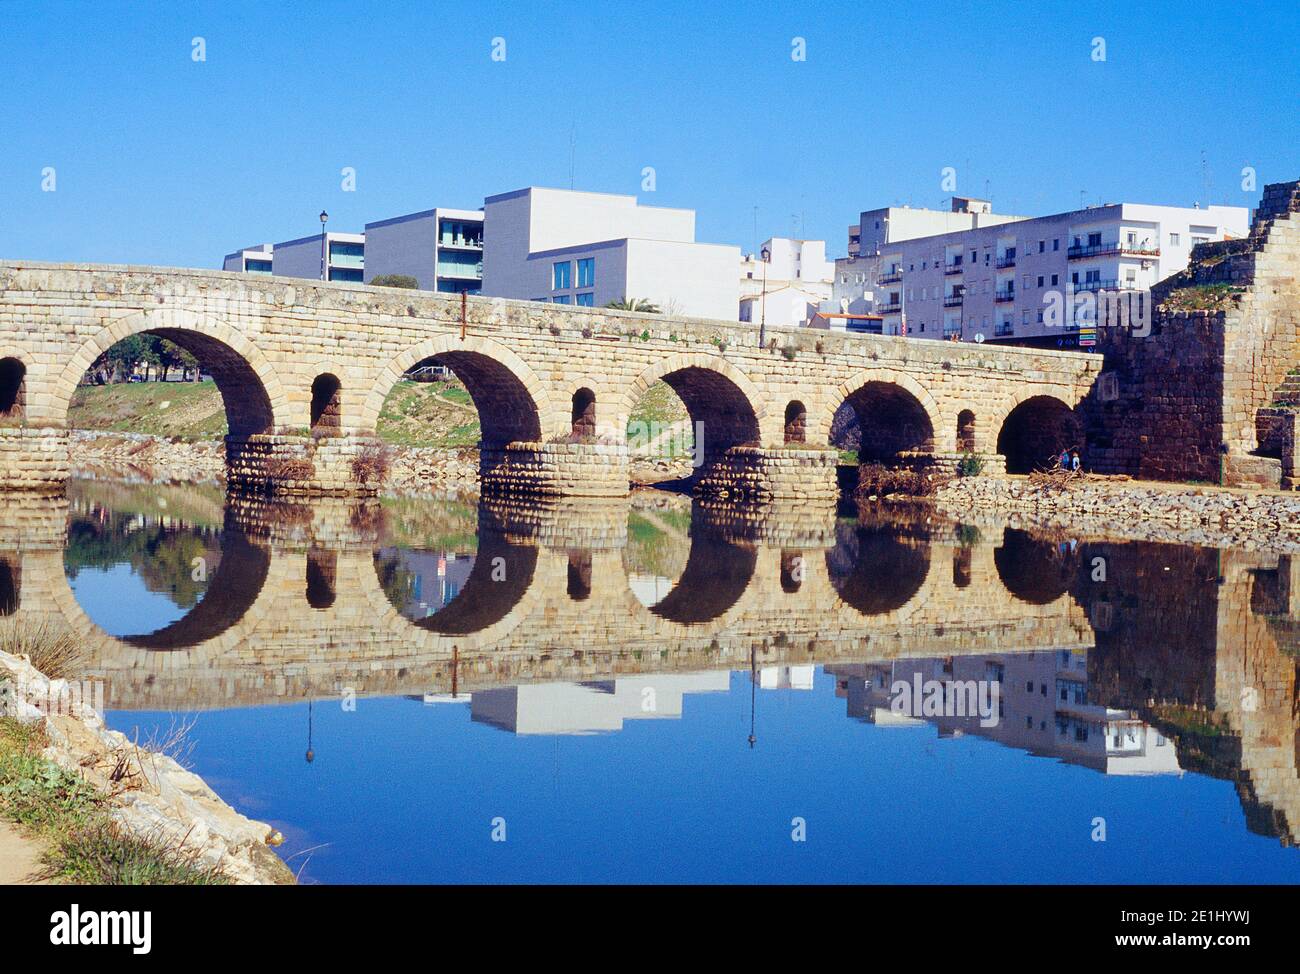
x=304 y=367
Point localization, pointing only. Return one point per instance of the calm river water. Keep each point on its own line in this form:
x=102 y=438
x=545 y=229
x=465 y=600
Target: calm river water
x=438 y=691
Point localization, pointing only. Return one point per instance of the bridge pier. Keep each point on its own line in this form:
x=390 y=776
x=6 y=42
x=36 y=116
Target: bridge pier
x=554 y=469
x=754 y=473
x=348 y=465
x=33 y=458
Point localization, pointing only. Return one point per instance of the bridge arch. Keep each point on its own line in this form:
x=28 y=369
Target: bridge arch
x=1036 y=425
x=511 y=399
x=874 y=571
x=250 y=388
x=895 y=414
x=1037 y=571
x=714 y=392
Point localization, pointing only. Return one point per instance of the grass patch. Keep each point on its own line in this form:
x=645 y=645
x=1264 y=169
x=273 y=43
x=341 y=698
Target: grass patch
x=53 y=651
x=1202 y=297
x=70 y=817
x=188 y=410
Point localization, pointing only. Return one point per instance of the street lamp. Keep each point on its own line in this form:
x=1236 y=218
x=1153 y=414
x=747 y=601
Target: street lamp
x=323 y=217
x=765 y=255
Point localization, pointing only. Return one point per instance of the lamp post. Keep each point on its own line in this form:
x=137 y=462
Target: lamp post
x=765 y=255
x=323 y=217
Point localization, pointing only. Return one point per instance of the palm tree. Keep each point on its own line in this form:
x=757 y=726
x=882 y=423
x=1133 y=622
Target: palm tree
x=634 y=304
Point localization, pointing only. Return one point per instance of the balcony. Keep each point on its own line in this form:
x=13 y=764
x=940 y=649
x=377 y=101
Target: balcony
x=889 y=307
x=1109 y=285
x=1006 y=260
x=952 y=268
x=953 y=300
x=1004 y=330
x=460 y=243
x=1112 y=249
x=890 y=277
x=1003 y=295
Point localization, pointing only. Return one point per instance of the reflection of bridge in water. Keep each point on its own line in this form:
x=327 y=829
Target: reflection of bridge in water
x=1196 y=643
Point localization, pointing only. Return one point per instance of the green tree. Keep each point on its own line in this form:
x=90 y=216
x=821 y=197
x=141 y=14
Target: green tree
x=634 y=304
x=396 y=280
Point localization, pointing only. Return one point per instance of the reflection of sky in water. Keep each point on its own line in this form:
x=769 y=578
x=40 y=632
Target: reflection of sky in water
x=117 y=600
x=595 y=787
x=405 y=792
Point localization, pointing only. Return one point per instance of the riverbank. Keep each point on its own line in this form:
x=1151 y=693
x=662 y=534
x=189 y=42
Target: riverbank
x=98 y=807
x=1136 y=510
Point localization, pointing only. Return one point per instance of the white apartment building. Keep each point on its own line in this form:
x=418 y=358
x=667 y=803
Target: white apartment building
x=344 y=256
x=997 y=282
x=581 y=248
x=790 y=286
x=250 y=260
x=1043 y=708
x=441 y=248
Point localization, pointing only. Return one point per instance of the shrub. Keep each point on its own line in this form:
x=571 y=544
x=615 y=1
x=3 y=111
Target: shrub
x=970 y=465
x=371 y=465
x=789 y=352
x=396 y=280
x=53 y=651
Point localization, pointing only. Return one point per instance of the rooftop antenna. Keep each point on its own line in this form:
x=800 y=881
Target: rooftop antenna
x=1205 y=177
x=1082 y=194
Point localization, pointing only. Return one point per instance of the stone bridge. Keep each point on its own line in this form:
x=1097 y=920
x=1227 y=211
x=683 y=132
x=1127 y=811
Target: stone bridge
x=304 y=368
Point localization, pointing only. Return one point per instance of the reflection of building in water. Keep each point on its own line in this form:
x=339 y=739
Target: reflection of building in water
x=1043 y=708
x=588 y=708
x=422 y=582
x=786 y=677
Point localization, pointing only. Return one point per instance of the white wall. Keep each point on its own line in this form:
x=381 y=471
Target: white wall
x=685 y=278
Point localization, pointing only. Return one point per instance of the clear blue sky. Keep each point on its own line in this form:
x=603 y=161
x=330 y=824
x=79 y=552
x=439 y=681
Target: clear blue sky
x=162 y=160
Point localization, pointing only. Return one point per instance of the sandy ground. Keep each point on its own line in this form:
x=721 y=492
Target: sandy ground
x=20 y=857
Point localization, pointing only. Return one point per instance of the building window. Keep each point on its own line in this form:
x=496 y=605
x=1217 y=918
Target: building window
x=561 y=299
x=1055 y=279
x=562 y=275
x=1174 y=240
x=587 y=272
x=1042 y=245
x=1056 y=244
x=586 y=299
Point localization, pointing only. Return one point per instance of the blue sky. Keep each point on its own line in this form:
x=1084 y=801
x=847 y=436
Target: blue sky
x=162 y=160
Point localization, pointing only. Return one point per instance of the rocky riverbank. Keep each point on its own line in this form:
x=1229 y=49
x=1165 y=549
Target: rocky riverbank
x=145 y=793
x=1139 y=510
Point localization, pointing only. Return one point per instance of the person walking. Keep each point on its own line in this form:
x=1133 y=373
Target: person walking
x=1075 y=462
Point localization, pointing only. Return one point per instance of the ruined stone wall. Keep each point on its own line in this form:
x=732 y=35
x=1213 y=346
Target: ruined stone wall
x=1186 y=399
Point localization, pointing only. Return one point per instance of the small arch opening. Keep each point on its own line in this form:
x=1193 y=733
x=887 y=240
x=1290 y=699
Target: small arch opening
x=10 y=586
x=796 y=422
x=13 y=391
x=961 y=567
x=326 y=410
x=322 y=568
x=791 y=571
x=965 y=431
x=584 y=415
x=579 y=581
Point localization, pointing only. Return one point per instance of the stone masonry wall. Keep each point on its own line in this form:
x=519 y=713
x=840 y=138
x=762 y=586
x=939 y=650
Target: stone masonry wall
x=1187 y=397
x=524 y=361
